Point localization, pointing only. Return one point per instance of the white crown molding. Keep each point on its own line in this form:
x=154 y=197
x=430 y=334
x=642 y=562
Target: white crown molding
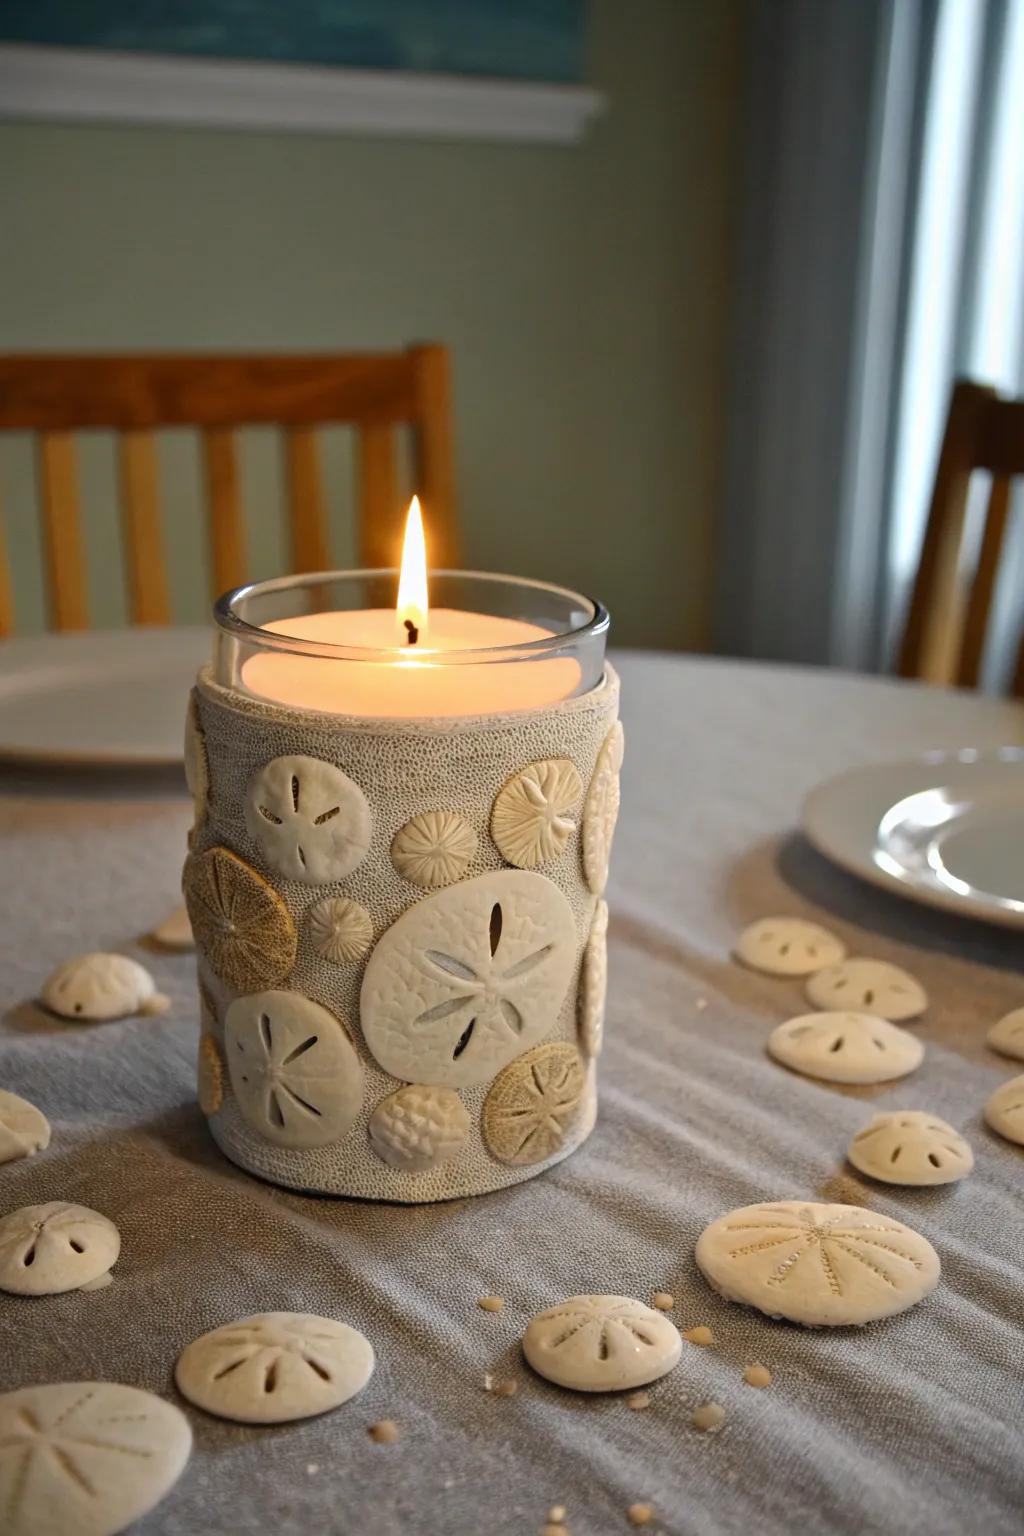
x=75 y=84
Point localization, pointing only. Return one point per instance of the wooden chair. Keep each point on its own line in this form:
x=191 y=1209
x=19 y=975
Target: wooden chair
x=55 y=397
x=947 y=622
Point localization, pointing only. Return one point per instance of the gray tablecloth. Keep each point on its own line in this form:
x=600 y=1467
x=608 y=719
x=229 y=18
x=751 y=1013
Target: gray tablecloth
x=912 y=1425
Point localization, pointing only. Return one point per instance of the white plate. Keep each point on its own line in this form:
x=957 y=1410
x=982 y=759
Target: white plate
x=946 y=829
x=100 y=697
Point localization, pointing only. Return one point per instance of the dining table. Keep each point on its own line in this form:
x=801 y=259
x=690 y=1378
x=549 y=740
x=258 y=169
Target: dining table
x=911 y=1425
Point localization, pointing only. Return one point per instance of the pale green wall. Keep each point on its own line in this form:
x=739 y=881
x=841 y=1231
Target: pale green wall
x=583 y=293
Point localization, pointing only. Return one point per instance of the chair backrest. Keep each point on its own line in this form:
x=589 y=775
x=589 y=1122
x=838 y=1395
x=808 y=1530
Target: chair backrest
x=947 y=622
x=134 y=396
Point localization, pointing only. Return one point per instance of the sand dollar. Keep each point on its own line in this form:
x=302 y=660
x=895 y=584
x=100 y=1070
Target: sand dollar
x=209 y=1074
x=468 y=978
x=1004 y=1111
x=242 y=927
x=601 y=811
x=274 y=1367
x=531 y=821
x=101 y=987
x=197 y=768
x=86 y=1457
x=601 y=1344
x=312 y=823
x=845 y=1048
x=419 y=1127
x=594 y=984
x=788 y=946
x=341 y=930
x=868 y=986
x=175 y=932
x=433 y=849
x=821 y=1265
x=46 y=1249
x=1007 y=1034
x=537 y=1106
x=908 y=1146
x=24 y=1130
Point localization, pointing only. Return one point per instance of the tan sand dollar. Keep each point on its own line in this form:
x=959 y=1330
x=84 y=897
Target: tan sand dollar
x=433 y=849
x=594 y=984
x=209 y=1074
x=537 y=1106
x=817 y=1264
x=100 y=987
x=86 y=1458
x=868 y=986
x=531 y=821
x=312 y=823
x=46 y=1249
x=419 y=1127
x=274 y=1367
x=341 y=930
x=175 y=932
x=601 y=811
x=242 y=927
x=845 y=1048
x=1004 y=1111
x=601 y=1344
x=293 y=1069
x=908 y=1146
x=467 y=978
x=24 y=1130
x=788 y=946
x=1007 y=1034
x=197 y=769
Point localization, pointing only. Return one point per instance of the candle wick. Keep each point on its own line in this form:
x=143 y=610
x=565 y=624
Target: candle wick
x=413 y=632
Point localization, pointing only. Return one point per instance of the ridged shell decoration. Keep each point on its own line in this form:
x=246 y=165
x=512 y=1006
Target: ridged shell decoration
x=243 y=929
x=433 y=849
x=601 y=811
x=419 y=1128
x=530 y=821
x=341 y=930
x=536 y=1105
x=594 y=984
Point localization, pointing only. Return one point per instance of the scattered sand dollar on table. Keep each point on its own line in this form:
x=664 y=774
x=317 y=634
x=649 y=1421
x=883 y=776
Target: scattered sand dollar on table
x=909 y=1146
x=243 y=929
x=419 y=1127
x=99 y=987
x=86 y=1458
x=601 y=810
x=46 y=1249
x=530 y=820
x=788 y=946
x=868 y=986
x=817 y=1264
x=1007 y=1034
x=312 y=823
x=24 y=1130
x=273 y=1367
x=175 y=932
x=1004 y=1111
x=601 y=1344
x=845 y=1048
x=537 y=1105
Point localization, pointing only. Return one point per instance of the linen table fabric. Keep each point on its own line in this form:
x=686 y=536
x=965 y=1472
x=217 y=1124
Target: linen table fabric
x=913 y=1425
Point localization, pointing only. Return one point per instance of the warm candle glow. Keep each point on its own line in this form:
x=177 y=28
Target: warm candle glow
x=413 y=604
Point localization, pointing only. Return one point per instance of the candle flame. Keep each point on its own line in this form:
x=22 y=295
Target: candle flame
x=413 y=606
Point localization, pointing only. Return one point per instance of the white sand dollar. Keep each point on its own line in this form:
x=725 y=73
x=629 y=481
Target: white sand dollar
x=845 y=1048
x=274 y=1367
x=532 y=820
x=294 y=1071
x=341 y=930
x=594 y=984
x=197 y=768
x=538 y=1105
x=468 y=978
x=909 y=1146
x=419 y=1127
x=1007 y=1034
x=601 y=811
x=788 y=946
x=175 y=932
x=868 y=986
x=24 y=1130
x=1004 y=1111
x=821 y=1265
x=100 y=987
x=601 y=1344
x=311 y=821
x=86 y=1458
x=433 y=849
x=46 y=1249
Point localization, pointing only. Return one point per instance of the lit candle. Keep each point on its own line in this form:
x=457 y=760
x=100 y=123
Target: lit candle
x=416 y=661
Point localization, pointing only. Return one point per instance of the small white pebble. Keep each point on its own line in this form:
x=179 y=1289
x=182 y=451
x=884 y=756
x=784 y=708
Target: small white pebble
x=700 y=1335
x=384 y=1432
x=505 y=1388
x=757 y=1376
x=663 y=1300
x=638 y=1400
x=640 y=1514
x=708 y=1417
x=490 y=1303
x=313 y=1468
x=556 y=1514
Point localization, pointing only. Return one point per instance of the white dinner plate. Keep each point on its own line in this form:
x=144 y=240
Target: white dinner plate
x=100 y=697
x=946 y=829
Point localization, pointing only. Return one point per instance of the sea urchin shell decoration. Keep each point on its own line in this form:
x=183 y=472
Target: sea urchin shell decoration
x=601 y=811
x=419 y=1128
x=242 y=927
x=530 y=821
x=536 y=1105
x=594 y=984
x=433 y=848
x=341 y=930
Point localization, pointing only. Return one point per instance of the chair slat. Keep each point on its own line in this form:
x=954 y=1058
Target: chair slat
x=306 y=501
x=979 y=604
x=435 y=456
x=62 y=525
x=144 y=546
x=224 y=511
x=6 y=590
x=380 y=513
